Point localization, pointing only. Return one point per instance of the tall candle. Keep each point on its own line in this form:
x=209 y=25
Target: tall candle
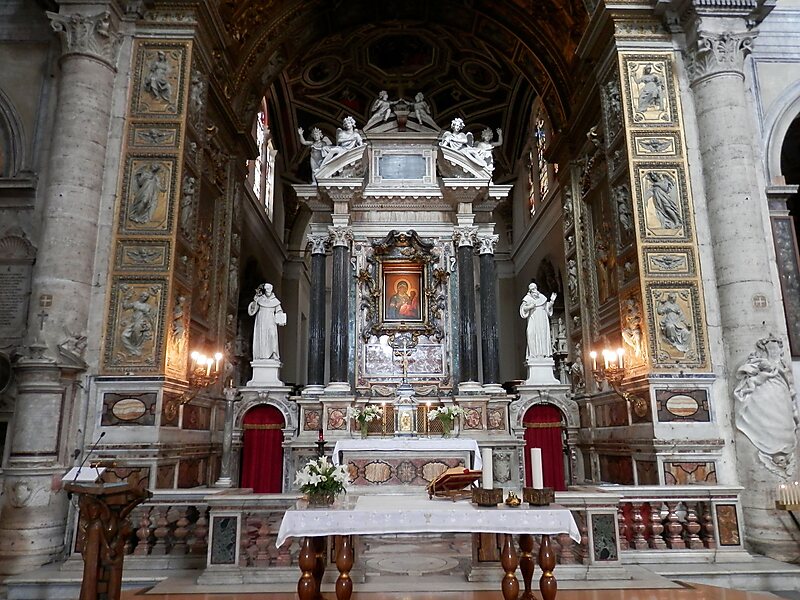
x=488 y=470
x=537 y=476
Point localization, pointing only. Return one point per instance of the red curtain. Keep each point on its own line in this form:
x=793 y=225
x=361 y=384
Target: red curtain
x=262 y=452
x=543 y=430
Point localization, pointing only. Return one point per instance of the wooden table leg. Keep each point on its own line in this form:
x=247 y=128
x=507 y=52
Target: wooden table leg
x=526 y=564
x=307 y=585
x=319 y=566
x=344 y=562
x=547 y=561
x=510 y=561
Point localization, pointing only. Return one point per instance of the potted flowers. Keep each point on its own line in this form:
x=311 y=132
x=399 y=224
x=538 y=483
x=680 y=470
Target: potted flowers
x=364 y=416
x=446 y=415
x=321 y=481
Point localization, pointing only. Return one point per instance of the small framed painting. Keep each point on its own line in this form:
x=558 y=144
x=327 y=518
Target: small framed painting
x=403 y=298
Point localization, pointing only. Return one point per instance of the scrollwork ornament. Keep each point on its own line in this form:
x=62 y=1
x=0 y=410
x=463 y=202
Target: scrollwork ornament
x=487 y=243
x=341 y=235
x=88 y=35
x=718 y=54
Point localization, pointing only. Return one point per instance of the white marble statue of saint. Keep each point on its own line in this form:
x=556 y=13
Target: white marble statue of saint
x=269 y=315
x=537 y=309
x=765 y=410
x=320 y=146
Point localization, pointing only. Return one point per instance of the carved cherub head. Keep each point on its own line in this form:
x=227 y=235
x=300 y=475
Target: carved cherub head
x=316 y=134
x=457 y=124
x=487 y=135
x=349 y=122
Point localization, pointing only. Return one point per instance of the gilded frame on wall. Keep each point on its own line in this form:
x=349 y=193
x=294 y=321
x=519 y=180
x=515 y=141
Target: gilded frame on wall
x=403 y=299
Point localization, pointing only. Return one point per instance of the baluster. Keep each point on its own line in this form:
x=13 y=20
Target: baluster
x=181 y=531
x=693 y=527
x=583 y=527
x=161 y=531
x=143 y=533
x=656 y=527
x=639 y=541
x=623 y=528
x=191 y=537
x=200 y=545
x=708 y=527
x=134 y=517
x=567 y=549
x=674 y=527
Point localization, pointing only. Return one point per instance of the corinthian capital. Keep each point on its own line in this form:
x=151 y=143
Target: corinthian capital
x=318 y=242
x=342 y=235
x=465 y=235
x=717 y=54
x=487 y=242
x=88 y=35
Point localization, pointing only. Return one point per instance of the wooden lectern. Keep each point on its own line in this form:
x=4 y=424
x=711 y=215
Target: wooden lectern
x=103 y=528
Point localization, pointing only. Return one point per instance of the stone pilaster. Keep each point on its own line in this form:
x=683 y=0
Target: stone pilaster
x=737 y=215
x=34 y=510
x=316 y=312
x=465 y=237
x=488 y=274
x=342 y=236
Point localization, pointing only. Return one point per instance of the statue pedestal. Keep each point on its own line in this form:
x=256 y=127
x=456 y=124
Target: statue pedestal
x=540 y=371
x=265 y=373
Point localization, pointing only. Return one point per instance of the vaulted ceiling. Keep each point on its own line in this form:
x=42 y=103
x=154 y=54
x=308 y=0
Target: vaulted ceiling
x=319 y=60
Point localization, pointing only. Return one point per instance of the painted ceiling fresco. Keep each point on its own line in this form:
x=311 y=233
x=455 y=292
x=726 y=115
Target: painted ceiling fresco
x=485 y=61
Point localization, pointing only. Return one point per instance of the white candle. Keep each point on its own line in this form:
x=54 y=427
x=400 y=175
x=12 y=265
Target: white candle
x=782 y=494
x=796 y=487
x=593 y=354
x=537 y=476
x=487 y=478
x=620 y=352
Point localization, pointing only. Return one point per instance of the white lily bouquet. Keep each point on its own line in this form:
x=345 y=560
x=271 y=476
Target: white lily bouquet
x=446 y=415
x=322 y=481
x=364 y=416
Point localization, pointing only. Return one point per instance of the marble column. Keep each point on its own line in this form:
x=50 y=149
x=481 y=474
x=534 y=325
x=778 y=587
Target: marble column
x=464 y=238
x=34 y=509
x=490 y=348
x=316 y=314
x=340 y=316
x=225 y=471
x=737 y=215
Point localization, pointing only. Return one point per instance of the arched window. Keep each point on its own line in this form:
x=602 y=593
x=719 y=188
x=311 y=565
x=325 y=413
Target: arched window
x=541 y=172
x=262 y=169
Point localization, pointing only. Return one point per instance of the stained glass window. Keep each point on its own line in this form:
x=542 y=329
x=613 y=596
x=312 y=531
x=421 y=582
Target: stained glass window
x=262 y=169
x=541 y=163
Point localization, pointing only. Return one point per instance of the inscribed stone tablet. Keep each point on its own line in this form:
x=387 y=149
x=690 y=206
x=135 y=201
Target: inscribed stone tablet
x=401 y=166
x=14 y=291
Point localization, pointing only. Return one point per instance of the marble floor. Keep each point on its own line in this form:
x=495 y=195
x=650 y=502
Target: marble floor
x=686 y=592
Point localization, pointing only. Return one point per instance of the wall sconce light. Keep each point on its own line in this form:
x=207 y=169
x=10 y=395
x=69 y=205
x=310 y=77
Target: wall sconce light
x=203 y=372
x=612 y=370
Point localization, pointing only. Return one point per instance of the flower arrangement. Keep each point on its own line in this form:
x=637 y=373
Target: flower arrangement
x=322 y=481
x=367 y=414
x=446 y=414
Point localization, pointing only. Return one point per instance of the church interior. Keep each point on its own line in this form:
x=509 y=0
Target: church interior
x=551 y=245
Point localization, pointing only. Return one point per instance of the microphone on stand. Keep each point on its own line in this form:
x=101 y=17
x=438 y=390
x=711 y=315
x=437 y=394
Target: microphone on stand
x=86 y=457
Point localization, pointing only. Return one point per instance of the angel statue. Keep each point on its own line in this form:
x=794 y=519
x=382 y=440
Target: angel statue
x=347 y=138
x=422 y=111
x=486 y=145
x=381 y=109
x=320 y=146
x=461 y=142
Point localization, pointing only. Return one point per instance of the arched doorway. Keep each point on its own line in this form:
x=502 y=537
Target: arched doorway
x=262 y=450
x=543 y=429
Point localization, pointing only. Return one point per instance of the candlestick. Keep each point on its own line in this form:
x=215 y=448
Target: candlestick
x=487 y=478
x=537 y=476
x=383 y=414
x=320 y=438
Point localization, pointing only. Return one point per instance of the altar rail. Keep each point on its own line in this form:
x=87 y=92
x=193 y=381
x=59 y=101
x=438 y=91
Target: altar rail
x=618 y=525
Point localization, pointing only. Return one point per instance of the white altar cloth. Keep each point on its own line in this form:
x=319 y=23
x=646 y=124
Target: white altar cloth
x=383 y=514
x=402 y=445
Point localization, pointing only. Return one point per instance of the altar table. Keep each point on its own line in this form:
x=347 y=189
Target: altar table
x=406 y=445
x=384 y=514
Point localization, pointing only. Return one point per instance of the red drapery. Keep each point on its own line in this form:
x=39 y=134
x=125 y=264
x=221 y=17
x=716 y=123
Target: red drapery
x=262 y=452
x=543 y=430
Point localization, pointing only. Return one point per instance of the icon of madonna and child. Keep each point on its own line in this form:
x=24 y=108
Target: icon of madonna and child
x=402 y=301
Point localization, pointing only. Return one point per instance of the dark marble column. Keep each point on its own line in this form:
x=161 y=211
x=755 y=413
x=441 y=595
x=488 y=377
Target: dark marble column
x=316 y=312
x=339 y=306
x=463 y=237
x=489 y=346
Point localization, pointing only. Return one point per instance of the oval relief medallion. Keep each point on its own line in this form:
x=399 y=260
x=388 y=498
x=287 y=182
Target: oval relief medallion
x=682 y=406
x=129 y=409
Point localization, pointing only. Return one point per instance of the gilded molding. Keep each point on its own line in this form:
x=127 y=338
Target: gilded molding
x=91 y=36
x=715 y=54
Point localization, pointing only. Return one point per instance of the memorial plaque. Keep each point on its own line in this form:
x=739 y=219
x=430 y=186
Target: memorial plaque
x=402 y=166
x=14 y=292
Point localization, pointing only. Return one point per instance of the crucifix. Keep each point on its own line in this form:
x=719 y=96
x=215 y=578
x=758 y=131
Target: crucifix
x=42 y=318
x=403 y=353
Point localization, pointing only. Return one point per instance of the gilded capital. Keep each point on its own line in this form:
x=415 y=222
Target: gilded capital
x=91 y=36
x=715 y=54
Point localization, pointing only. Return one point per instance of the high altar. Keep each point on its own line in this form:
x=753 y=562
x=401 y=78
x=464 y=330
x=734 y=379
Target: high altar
x=404 y=210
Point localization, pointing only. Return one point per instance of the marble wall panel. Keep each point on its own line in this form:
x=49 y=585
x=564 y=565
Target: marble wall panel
x=670 y=261
x=142 y=255
x=616 y=469
x=170 y=410
x=473 y=418
x=134 y=334
x=337 y=419
x=154 y=136
x=685 y=473
x=196 y=417
x=224 y=540
x=663 y=209
x=604 y=537
x=191 y=472
x=496 y=419
x=666 y=144
x=676 y=326
x=312 y=420
x=133 y=475
x=159 y=79
x=149 y=184
x=690 y=405
x=129 y=409
x=647 y=472
x=165 y=477
x=650 y=90
x=728 y=525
